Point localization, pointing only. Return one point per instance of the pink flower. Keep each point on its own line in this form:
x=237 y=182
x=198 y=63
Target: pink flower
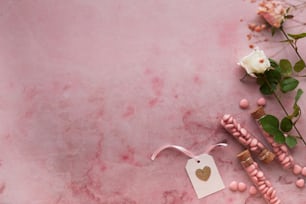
x=273 y=12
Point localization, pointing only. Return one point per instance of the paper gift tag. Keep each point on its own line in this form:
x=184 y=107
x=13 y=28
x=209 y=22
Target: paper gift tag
x=204 y=175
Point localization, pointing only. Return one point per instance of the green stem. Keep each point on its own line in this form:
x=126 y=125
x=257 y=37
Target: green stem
x=291 y=43
x=284 y=109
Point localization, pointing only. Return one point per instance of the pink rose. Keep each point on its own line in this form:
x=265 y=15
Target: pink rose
x=273 y=12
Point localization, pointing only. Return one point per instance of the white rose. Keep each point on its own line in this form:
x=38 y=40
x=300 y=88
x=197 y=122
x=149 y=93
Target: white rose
x=255 y=63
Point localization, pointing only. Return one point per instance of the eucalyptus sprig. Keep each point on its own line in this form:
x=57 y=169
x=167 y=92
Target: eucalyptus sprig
x=279 y=79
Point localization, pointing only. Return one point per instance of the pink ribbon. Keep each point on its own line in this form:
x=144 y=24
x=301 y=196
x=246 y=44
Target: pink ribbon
x=186 y=151
x=176 y=147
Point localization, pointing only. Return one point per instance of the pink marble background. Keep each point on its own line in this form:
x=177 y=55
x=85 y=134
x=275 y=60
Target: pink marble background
x=89 y=89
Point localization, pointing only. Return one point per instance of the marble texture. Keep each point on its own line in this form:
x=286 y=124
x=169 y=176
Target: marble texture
x=90 y=89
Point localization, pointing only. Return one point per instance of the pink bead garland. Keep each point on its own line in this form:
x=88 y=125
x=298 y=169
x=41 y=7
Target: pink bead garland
x=258 y=178
x=246 y=139
x=281 y=151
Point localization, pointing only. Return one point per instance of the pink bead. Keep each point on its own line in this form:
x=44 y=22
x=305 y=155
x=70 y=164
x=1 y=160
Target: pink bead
x=229 y=126
x=243 y=131
x=260 y=174
x=261 y=188
x=269 y=191
x=297 y=169
x=278 y=152
x=268 y=183
x=261 y=183
x=236 y=134
x=244 y=103
x=282 y=157
x=254 y=179
x=264 y=191
x=249 y=140
x=287 y=165
x=266 y=196
x=252 y=190
x=247 y=136
x=254 y=142
x=242 y=140
x=285 y=160
x=226 y=117
x=261 y=102
x=254 y=172
x=262 y=179
x=284 y=148
x=300 y=183
x=304 y=171
x=250 y=168
x=233 y=186
x=273 y=194
x=242 y=186
x=234 y=121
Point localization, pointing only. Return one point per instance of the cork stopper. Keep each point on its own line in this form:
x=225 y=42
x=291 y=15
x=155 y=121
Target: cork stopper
x=266 y=156
x=245 y=158
x=258 y=113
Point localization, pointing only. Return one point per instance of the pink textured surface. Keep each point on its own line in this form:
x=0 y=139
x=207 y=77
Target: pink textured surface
x=89 y=89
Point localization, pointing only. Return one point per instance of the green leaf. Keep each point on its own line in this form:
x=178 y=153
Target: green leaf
x=269 y=119
x=269 y=81
x=270 y=124
x=297 y=36
x=296 y=111
x=266 y=89
x=273 y=76
x=291 y=141
x=286 y=124
x=299 y=66
x=274 y=64
x=298 y=95
x=288 y=84
x=285 y=66
x=296 y=108
x=279 y=137
x=260 y=80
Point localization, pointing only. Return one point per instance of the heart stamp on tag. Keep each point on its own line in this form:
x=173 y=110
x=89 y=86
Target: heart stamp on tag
x=204 y=173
